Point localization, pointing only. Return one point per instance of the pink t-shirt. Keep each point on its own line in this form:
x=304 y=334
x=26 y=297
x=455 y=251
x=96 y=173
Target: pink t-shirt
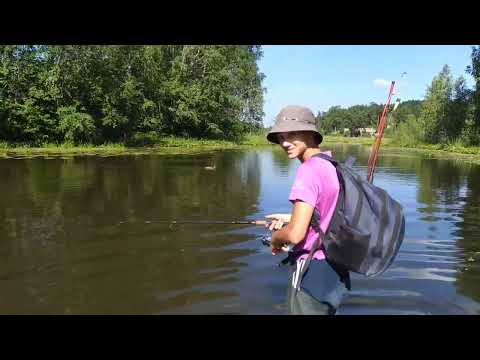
x=316 y=183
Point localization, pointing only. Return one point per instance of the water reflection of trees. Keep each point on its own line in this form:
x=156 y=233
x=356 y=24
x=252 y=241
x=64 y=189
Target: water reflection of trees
x=65 y=213
x=469 y=232
x=58 y=224
x=281 y=161
x=108 y=190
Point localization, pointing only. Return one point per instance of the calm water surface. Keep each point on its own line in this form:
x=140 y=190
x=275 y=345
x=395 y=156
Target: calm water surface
x=63 y=249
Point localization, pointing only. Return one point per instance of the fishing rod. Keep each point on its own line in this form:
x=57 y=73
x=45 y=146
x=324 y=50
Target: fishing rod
x=203 y=222
x=372 y=161
x=382 y=123
x=266 y=240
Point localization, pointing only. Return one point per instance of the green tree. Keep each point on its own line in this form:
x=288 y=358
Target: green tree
x=217 y=90
x=28 y=94
x=458 y=110
x=472 y=126
x=352 y=118
x=406 y=109
x=113 y=93
x=76 y=126
x=434 y=114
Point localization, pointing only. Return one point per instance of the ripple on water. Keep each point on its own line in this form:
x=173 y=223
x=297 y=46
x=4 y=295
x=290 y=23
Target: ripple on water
x=61 y=240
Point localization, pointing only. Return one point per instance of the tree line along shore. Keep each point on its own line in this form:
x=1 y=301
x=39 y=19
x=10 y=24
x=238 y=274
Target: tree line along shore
x=82 y=99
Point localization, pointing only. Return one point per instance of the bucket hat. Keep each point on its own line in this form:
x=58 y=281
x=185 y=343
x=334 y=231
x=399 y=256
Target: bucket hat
x=294 y=118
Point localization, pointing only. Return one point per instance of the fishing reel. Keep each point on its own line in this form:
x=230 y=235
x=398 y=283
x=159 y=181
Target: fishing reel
x=267 y=241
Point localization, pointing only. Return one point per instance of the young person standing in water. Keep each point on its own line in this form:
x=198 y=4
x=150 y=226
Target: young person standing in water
x=319 y=290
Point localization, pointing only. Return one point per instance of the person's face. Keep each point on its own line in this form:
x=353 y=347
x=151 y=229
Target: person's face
x=294 y=143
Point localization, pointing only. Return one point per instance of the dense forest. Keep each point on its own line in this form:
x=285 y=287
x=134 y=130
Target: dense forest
x=98 y=94
x=138 y=94
x=337 y=119
x=450 y=112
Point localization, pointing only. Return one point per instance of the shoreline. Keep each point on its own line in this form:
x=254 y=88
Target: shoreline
x=177 y=146
x=168 y=146
x=470 y=154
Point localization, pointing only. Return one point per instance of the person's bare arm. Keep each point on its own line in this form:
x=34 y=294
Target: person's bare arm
x=295 y=231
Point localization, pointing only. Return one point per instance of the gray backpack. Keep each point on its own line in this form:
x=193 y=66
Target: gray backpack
x=367 y=227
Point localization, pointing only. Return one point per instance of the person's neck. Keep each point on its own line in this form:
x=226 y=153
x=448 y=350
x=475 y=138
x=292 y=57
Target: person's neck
x=308 y=153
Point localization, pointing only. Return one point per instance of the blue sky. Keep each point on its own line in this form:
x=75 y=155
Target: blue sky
x=321 y=76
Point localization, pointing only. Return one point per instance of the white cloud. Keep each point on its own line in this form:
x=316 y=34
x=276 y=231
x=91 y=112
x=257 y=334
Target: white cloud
x=381 y=83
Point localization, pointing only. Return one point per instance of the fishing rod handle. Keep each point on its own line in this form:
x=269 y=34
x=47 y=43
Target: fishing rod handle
x=260 y=222
x=264 y=222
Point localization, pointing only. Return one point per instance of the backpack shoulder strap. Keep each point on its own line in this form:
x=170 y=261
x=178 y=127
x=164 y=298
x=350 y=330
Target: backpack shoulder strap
x=349 y=162
x=326 y=157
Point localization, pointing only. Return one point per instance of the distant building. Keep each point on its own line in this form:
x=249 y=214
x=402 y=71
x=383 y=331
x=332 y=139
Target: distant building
x=361 y=131
x=369 y=131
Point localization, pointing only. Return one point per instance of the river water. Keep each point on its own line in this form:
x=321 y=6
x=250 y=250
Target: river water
x=78 y=235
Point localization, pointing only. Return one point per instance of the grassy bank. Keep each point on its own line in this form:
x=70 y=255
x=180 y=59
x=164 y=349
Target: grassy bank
x=389 y=142
x=469 y=153
x=167 y=145
x=452 y=148
x=174 y=145
x=331 y=139
x=452 y=151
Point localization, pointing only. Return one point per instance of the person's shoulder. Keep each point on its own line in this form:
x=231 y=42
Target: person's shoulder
x=323 y=169
x=318 y=162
